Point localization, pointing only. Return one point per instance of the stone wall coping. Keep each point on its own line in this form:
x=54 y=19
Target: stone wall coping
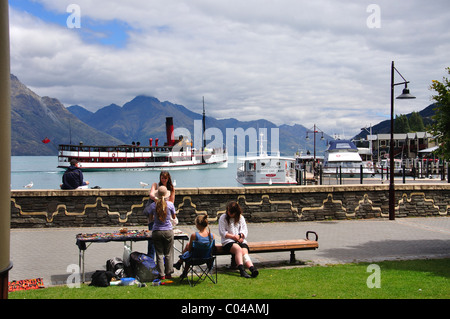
x=229 y=190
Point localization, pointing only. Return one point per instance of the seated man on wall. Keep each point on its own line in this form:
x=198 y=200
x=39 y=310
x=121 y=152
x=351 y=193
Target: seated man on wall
x=73 y=177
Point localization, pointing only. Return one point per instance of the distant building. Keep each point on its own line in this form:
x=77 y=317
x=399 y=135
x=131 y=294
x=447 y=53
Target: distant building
x=406 y=145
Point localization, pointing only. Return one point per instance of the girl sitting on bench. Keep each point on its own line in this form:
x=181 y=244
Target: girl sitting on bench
x=233 y=231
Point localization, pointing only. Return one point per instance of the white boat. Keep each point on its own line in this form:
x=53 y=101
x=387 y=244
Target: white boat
x=266 y=169
x=175 y=154
x=342 y=157
x=366 y=156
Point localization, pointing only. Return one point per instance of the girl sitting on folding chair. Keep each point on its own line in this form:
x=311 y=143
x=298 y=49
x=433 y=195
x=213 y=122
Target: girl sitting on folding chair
x=203 y=235
x=233 y=230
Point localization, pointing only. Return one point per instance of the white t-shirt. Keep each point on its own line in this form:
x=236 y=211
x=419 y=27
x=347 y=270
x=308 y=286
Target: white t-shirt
x=232 y=228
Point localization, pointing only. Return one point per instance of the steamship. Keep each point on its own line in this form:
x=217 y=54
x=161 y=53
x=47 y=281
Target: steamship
x=175 y=154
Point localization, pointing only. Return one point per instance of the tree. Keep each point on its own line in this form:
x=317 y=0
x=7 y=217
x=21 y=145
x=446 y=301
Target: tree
x=401 y=124
x=441 y=127
x=416 y=122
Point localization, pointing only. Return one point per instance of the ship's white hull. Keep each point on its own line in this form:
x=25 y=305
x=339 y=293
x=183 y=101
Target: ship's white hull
x=266 y=170
x=98 y=161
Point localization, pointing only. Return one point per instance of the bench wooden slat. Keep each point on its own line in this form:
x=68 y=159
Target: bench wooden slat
x=282 y=245
x=279 y=245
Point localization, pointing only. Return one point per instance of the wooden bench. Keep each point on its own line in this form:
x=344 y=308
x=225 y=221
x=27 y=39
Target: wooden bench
x=279 y=245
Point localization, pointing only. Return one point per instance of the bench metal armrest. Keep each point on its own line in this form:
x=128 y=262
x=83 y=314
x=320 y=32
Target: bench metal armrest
x=311 y=232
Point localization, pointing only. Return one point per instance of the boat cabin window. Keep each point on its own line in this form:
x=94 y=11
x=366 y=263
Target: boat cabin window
x=250 y=166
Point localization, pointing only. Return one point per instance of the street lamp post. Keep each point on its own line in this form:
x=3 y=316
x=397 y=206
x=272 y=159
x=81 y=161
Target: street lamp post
x=314 y=131
x=405 y=95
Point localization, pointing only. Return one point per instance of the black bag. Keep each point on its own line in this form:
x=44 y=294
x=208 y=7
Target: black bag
x=142 y=267
x=101 y=278
x=116 y=266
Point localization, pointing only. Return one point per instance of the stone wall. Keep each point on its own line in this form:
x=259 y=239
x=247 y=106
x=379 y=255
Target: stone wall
x=124 y=207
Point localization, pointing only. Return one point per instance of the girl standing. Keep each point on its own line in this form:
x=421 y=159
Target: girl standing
x=164 y=180
x=161 y=212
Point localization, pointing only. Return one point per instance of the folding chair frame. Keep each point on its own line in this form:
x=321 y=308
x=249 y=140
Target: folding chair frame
x=201 y=268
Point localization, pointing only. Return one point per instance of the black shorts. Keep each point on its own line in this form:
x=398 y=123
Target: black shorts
x=228 y=246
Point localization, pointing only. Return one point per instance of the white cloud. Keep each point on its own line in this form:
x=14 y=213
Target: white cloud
x=288 y=61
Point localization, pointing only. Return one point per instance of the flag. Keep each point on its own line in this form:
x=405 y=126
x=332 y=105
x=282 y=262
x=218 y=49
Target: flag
x=46 y=140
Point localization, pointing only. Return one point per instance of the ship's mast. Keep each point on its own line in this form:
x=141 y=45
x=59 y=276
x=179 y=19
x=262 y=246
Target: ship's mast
x=203 y=130
x=204 y=125
x=262 y=152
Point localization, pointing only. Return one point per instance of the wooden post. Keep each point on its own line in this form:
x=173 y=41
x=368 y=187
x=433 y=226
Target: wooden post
x=5 y=151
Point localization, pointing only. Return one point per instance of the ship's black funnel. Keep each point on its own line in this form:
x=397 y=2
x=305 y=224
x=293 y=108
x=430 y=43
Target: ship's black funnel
x=169 y=131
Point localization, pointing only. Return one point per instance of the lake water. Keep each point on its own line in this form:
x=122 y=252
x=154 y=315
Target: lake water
x=42 y=171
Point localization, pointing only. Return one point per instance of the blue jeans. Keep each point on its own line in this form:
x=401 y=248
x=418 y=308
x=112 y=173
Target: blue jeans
x=151 y=247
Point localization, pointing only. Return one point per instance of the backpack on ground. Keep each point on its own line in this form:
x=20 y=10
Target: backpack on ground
x=101 y=278
x=142 y=267
x=116 y=266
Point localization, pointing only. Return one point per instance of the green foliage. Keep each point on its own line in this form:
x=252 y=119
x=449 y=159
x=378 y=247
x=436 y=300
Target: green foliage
x=414 y=279
x=416 y=122
x=401 y=124
x=441 y=128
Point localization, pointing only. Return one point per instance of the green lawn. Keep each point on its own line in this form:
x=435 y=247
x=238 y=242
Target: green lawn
x=414 y=279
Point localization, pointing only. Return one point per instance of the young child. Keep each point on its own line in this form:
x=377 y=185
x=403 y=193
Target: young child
x=203 y=235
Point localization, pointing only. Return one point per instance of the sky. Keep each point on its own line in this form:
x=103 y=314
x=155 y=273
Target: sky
x=325 y=62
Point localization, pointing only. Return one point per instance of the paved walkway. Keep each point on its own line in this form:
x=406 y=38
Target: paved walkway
x=47 y=253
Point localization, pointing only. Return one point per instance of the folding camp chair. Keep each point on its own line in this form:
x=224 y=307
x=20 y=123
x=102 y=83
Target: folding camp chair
x=202 y=263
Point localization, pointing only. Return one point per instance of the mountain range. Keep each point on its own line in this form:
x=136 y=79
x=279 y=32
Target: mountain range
x=35 y=118
x=144 y=117
x=39 y=124
x=384 y=127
